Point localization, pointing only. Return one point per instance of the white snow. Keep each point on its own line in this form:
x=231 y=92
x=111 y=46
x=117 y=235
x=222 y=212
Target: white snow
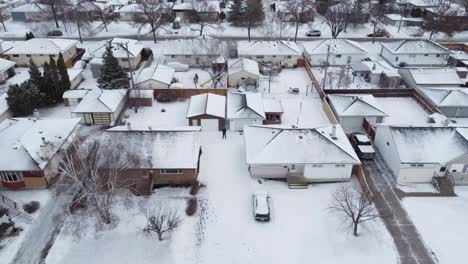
x=356 y=105
x=243 y=65
x=207 y=104
x=337 y=46
x=287 y=78
x=5 y=65
x=100 y=100
x=435 y=76
x=174 y=115
x=158 y=72
x=402 y=110
x=415 y=47
x=42 y=46
x=244 y=105
x=266 y=48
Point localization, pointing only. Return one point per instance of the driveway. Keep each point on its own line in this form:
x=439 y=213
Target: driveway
x=409 y=244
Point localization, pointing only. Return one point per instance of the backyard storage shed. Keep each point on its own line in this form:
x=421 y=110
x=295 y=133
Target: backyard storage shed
x=452 y=102
x=285 y=53
x=339 y=52
x=31 y=148
x=417 y=154
x=321 y=154
x=207 y=110
x=414 y=53
x=244 y=109
x=101 y=107
x=352 y=109
x=243 y=71
x=155 y=77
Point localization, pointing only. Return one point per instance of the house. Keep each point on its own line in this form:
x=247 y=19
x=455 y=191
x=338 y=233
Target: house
x=91 y=10
x=321 y=154
x=73 y=97
x=416 y=7
x=39 y=50
x=194 y=52
x=101 y=107
x=338 y=51
x=158 y=76
x=243 y=71
x=159 y=157
x=455 y=15
x=31 y=149
x=114 y=5
x=431 y=77
x=7 y=69
x=185 y=9
x=208 y=111
x=30 y=12
x=414 y=53
x=284 y=53
x=129 y=11
x=452 y=102
x=417 y=154
x=127 y=51
x=397 y=20
x=378 y=72
x=352 y=109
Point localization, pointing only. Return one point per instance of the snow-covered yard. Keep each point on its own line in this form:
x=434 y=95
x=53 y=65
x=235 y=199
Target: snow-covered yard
x=287 y=78
x=174 y=114
x=442 y=224
x=402 y=111
x=340 y=78
x=224 y=231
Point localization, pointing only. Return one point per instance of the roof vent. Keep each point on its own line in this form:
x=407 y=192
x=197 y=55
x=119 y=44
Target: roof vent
x=333 y=133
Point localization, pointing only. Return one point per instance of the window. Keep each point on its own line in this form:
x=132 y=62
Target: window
x=412 y=55
x=42 y=55
x=289 y=57
x=28 y=55
x=274 y=56
x=260 y=57
x=171 y=171
x=425 y=55
x=417 y=165
x=173 y=56
x=437 y=55
x=348 y=60
x=442 y=169
x=11 y=176
x=124 y=59
x=339 y=165
x=396 y=58
x=15 y=55
x=338 y=55
x=317 y=166
x=188 y=56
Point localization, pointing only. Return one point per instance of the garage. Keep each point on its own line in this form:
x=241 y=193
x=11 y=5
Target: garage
x=416 y=174
x=210 y=124
x=208 y=111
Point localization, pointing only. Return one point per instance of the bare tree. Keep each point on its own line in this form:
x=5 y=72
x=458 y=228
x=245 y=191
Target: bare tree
x=217 y=54
x=438 y=20
x=300 y=12
x=336 y=19
x=353 y=206
x=161 y=221
x=79 y=15
x=464 y=3
x=253 y=14
x=203 y=16
x=56 y=8
x=3 y=17
x=152 y=13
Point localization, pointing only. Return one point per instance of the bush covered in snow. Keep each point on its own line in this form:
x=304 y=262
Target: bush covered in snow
x=31 y=207
x=192 y=206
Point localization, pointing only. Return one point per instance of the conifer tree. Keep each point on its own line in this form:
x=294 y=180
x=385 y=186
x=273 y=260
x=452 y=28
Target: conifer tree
x=235 y=16
x=112 y=75
x=22 y=99
x=35 y=77
x=56 y=90
x=65 y=83
x=48 y=87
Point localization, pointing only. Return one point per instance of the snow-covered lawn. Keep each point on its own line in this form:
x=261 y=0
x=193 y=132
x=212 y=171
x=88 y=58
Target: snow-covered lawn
x=341 y=78
x=442 y=224
x=402 y=111
x=174 y=115
x=10 y=246
x=287 y=78
x=224 y=231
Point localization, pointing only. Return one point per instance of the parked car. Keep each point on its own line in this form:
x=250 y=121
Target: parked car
x=378 y=34
x=294 y=90
x=261 y=206
x=313 y=33
x=362 y=145
x=55 y=33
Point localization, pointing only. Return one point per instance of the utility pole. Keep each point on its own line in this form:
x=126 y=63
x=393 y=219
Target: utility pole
x=401 y=20
x=129 y=63
x=326 y=67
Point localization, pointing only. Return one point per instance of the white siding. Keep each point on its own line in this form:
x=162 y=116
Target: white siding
x=328 y=172
x=414 y=59
x=269 y=171
x=238 y=124
x=384 y=143
x=410 y=174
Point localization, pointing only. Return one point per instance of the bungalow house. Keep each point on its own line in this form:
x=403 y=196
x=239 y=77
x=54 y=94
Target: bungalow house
x=101 y=107
x=31 y=148
x=417 y=154
x=129 y=11
x=414 y=53
x=452 y=102
x=208 y=111
x=397 y=20
x=7 y=69
x=89 y=9
x=352 y=109
x=377 y=72
x=40 y=49
x=114 y=5
x=73 y=97
x=30 y=12
x=127 y=51
x=284 y=53
x=194 y=52
x=243 y=71
x=155 y=77
x=339 y=52
x=455 y=15
x=418 y=6
x=431 y=77
x=159 y=157
x=321 y=154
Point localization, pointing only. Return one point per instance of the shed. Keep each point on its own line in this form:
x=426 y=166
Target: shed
x=431 y=77
x=207 y=110
x=244 y=109
x=243 y=71
x=155 y=77
x=72 y=98
x=101 y=107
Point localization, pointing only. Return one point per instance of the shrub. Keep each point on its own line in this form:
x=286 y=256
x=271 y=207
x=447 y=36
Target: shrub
x=191 y=206
x=166 y=96
x=195 y=188
x=31 y=207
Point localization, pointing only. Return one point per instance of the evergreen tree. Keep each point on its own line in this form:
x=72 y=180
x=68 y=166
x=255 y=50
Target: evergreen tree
x=35 y=77
x=235 y=16
x=65 y=83
x=112 y=75
x=57 y=92
x=48 y=87
x=22 y=99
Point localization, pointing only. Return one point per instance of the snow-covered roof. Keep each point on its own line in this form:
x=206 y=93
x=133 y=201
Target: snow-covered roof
x=453 y=10
x=419 y=3
x=75 y=94
x=6 y=64
x=131 y=8
x=101 y=101
x=199 y=46
x=29 y=144
x=428 y=144
x=397 y=17
x=245 y=105
x=447 y=96
x=277 y=145
x=30 y=8
x=278 y=48
x=204 y=6
x=42 y=46
x=243 y=65
x=271 y=105
x=421 y=46
x=207 y=104
x=155 y=149
x=116 y=3
x=337 y=46
x=356 y=105
x=183 y=6
x=74 y=73
x=381 y=66
x=118 y=48
x=435 y=76
x=159 y=72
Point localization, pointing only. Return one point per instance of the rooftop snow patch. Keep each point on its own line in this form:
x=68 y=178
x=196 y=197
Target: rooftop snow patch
x=101 y=101
x=337 y=46
x=278 y=48
x=415 y=47
x=356 y=105
x=435 y=76
x=207 y=104
x=75 y=94
x=447 y=96
x=243 y=65
x=30 y=8
x=276 y=145
x=159 y=72
x=245 y=105
x=6 y=64
x=42 y=46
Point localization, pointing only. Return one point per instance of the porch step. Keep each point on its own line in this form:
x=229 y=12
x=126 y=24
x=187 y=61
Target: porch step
x=297 y=182
x=445 y=185
x=297 y=186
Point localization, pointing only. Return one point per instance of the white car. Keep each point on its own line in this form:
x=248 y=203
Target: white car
x=261 y=206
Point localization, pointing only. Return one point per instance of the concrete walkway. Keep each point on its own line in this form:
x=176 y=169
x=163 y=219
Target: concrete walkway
x=409 y=244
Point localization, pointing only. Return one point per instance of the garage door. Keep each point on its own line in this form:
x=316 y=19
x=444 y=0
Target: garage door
x=352 y=122
x=101 y=118
x=420 y=174
x=209 y=124
x=269 y=171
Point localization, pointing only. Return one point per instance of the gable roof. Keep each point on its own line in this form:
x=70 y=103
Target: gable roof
x=29 y=143
x=245 y=105
x=30 y=8
x=356 y=105
x=243 y=65
x=207 y=104
x=119 y=48
x=42 y=46
x=337 y=46
x=416 y=46
x=159 y=72
x=447 y=96
x=6 y=64
x=279 y=145
x=198 y=46
x=435 y=76
x=278 y=48
x=101 y=101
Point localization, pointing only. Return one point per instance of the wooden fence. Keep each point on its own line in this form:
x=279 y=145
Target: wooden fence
x=187 y=93
x=361 y=177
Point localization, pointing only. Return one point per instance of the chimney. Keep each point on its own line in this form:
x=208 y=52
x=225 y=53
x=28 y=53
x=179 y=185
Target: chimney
x=333 y=133
x=36 y=114
x=129 y=125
